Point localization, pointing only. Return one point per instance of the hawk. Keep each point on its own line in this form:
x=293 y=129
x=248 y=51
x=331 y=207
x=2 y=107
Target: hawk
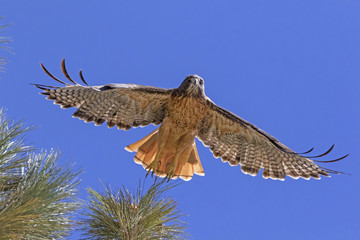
x=185 y=113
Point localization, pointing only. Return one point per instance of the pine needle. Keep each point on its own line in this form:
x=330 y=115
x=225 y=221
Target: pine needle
x=3 y=41
x=139 y=216
x=37 y=197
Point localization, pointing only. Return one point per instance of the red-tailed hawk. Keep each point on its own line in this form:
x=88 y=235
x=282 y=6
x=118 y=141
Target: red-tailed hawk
x=184 y=113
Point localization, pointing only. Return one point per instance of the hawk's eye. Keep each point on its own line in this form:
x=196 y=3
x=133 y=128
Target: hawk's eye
x=201 y=82
x=189 y=80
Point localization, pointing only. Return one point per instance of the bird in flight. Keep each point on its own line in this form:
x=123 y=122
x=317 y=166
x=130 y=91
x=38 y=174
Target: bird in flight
x=185 y=113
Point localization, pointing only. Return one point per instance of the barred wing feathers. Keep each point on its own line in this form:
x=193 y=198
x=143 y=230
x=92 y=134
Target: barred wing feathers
x=123 y=105
x=237 y=141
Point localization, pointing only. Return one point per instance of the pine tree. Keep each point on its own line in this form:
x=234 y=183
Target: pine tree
x=3 y=41
x=37 y=197
x=139 y=216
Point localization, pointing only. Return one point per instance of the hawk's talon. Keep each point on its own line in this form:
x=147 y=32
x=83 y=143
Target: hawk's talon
x=148 y=171
x=152 y=167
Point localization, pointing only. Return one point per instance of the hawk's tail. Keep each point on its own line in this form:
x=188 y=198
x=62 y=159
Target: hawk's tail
x=147 y=149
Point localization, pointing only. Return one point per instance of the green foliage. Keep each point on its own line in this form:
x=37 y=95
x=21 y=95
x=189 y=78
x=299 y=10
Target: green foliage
x=3 y=40
x=13 y=153
x=139 y=216
x=37 y=197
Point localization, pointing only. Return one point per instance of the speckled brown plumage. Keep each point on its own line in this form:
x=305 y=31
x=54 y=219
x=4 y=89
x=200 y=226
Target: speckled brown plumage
x=184 y=113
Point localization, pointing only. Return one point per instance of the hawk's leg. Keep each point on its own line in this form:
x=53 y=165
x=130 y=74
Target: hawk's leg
x=162 y=151
x=183 y=151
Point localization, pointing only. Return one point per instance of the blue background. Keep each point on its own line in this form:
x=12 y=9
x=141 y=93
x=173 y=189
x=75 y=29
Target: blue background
x=290 y=67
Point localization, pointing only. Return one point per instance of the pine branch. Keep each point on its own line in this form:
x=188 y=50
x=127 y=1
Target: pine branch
x=3 y=40
x=13 y=153
x=37 y=197
x=139 y=216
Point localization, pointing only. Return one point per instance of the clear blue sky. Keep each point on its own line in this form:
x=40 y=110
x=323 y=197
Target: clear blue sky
x=290 y=67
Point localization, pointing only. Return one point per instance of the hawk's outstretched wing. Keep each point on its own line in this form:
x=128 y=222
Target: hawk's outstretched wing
x=123 y=105
x=239 y=142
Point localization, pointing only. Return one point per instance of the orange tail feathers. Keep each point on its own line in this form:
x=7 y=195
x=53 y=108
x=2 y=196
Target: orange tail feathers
x=147 y=149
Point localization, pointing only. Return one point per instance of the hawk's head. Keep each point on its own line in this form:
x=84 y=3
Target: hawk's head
x=193 y=85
